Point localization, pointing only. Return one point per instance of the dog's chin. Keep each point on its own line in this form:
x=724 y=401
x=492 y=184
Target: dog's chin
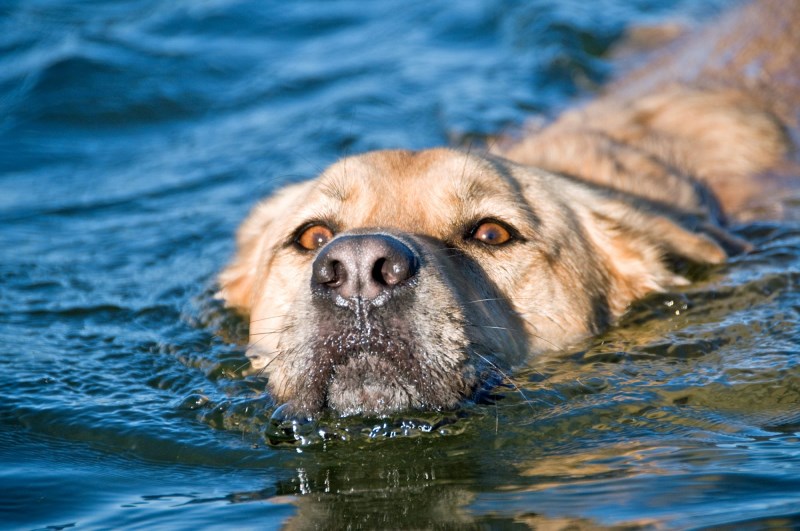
x=372 y=383
x=376 y=364
x=379 y=378
x=369 y=385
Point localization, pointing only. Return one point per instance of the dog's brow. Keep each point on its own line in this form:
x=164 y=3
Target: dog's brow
x=335 y=190
x=474 y=188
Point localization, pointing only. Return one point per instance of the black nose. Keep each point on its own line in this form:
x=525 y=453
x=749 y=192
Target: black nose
x=367 y=266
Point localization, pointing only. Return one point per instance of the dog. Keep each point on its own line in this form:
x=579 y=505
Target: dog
x=400 y=280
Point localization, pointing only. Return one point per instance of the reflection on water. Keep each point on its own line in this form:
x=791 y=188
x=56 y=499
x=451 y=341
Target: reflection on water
x=135 y=136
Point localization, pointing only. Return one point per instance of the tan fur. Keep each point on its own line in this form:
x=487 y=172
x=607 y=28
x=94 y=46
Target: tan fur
x=677 y=137
x=253 y=241
x=598 y=201
x=718 y=108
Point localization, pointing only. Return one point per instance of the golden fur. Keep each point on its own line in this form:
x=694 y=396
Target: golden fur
x=594 y=205
x=718 y=107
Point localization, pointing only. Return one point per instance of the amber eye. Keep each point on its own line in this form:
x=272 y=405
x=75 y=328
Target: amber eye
x=491 y=233
x=313 y=237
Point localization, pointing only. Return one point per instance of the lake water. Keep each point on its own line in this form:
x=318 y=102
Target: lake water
x=135 y=135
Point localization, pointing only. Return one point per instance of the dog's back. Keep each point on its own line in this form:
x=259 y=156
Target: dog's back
x=753 y=48
x=717 y=108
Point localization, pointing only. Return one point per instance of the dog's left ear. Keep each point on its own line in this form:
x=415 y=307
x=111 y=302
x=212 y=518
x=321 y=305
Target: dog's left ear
x=633 y=245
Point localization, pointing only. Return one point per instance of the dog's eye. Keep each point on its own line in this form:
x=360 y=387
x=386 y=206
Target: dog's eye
x=313 y=237
x=491 y=232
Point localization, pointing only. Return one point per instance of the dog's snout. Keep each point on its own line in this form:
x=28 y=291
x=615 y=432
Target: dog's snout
x=366 y=266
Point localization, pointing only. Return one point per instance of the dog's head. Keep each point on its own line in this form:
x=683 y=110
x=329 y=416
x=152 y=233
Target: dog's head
x=404 y=280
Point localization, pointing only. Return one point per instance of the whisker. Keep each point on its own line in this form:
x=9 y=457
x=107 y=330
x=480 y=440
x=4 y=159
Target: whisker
x=542 y=338
x=492 y=327
x=508 y=378
x=541 y=314
x=466 y=159
x=266 y=318
x=242 y=366
x=537 y=336
x=489 y=299
x=274 y=357
x=268 y=331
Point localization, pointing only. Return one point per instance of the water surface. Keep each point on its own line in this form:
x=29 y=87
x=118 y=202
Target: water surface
x=134 y=136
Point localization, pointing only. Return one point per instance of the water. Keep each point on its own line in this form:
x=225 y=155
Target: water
x=134 y=136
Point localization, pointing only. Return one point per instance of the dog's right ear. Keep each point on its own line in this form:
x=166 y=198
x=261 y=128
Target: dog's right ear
x=253 y=239
x=633 y=244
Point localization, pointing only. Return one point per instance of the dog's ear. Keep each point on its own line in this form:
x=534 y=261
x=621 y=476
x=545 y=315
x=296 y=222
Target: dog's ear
x=256 y=236
x=633 y=244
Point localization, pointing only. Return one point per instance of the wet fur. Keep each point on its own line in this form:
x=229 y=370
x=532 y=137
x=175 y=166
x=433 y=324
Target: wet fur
x=600 y=201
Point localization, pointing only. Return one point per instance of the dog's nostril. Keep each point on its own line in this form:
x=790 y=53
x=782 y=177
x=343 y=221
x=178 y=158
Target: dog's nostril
x=338 y=275
x=377 y=273
x=331 y=273
x=396 y=269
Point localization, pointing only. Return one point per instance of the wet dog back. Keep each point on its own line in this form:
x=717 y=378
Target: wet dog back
x=716 y=108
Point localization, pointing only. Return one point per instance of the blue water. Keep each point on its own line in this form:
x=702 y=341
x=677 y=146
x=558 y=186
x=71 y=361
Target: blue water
x=135 y=136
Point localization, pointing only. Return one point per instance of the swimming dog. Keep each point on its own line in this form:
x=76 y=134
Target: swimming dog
x=409 y=280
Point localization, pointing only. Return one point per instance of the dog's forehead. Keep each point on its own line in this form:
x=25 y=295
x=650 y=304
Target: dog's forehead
x=422 y=191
